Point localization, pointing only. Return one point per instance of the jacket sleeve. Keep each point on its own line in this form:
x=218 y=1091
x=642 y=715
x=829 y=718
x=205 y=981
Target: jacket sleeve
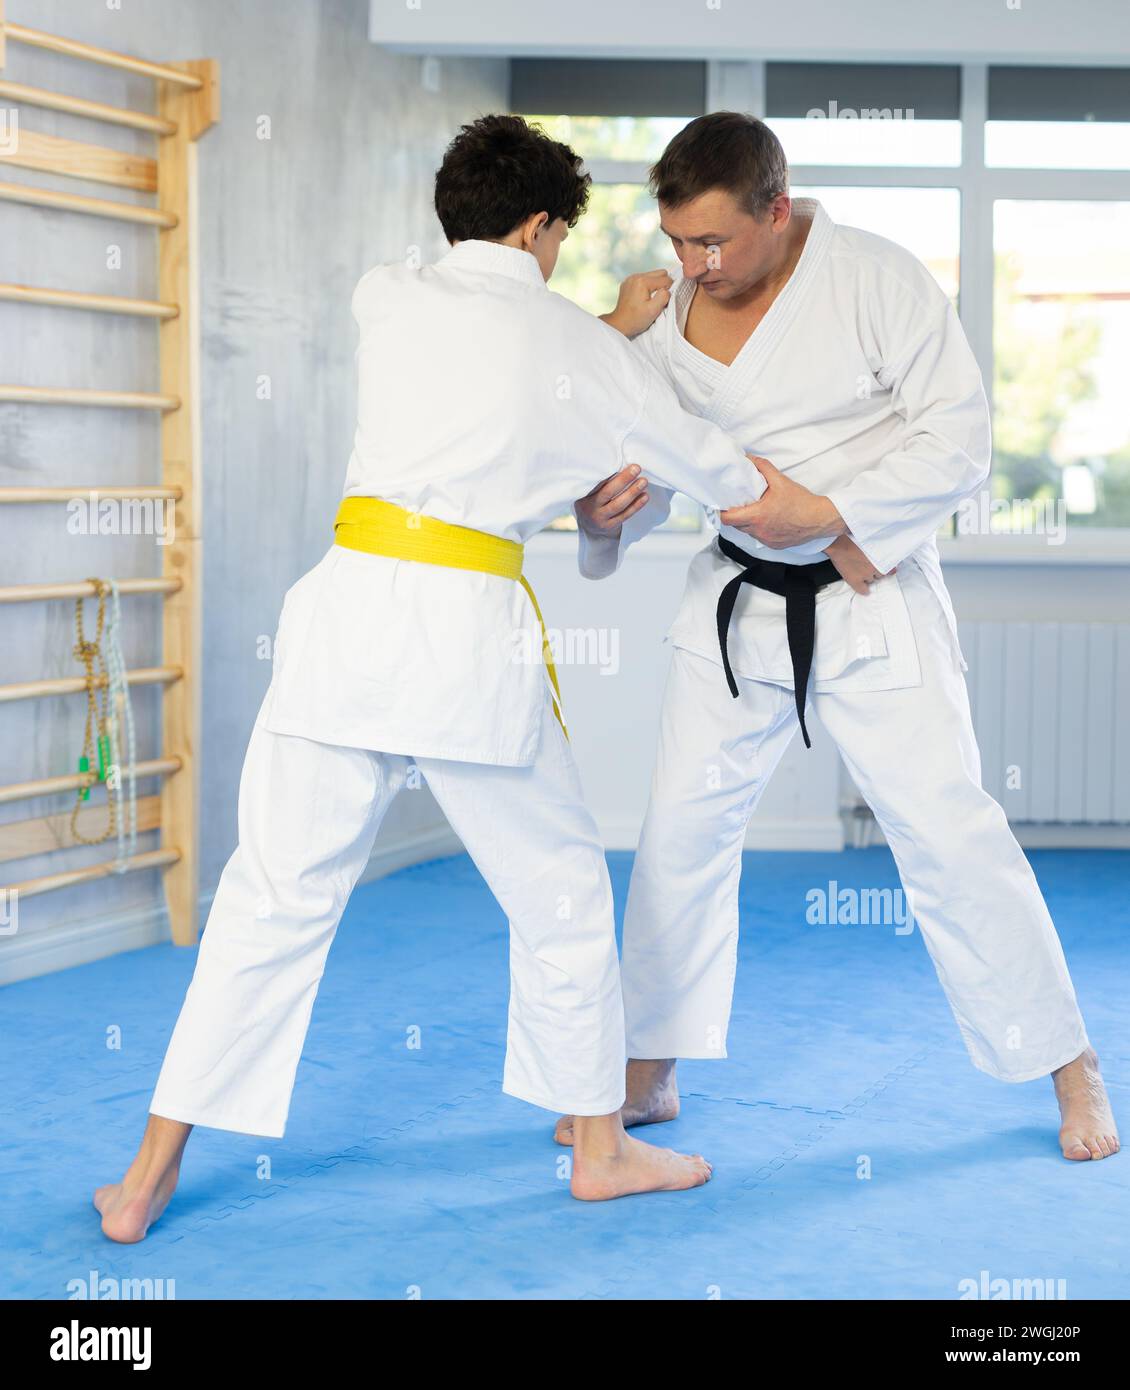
x=944 y=454
x=677 y=452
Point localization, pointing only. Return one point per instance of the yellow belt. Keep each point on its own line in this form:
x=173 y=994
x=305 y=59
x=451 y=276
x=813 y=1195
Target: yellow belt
x=382 y=528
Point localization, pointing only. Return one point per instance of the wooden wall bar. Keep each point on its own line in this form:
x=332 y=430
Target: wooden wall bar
x=188 y=105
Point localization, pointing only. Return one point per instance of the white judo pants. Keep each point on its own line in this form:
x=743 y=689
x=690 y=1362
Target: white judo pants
x=308 y=815
x=913 y=755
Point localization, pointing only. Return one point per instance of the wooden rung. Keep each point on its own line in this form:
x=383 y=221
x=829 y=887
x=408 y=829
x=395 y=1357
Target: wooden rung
x=79 y=106
x=83 y=588
x=51 y=154
x=92 y=494
x=74 y=685
x=79 y=202
x=79 y=299
x=53 y=786
x=46 y=834
x=36 y=38
x=65 y=395
x=154 y=859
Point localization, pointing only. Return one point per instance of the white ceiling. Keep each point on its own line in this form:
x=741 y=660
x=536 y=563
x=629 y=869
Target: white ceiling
x=1000 y=31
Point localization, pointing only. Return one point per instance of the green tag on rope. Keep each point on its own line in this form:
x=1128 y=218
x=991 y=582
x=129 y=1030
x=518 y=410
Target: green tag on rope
x=84 y=766
x=103 y=756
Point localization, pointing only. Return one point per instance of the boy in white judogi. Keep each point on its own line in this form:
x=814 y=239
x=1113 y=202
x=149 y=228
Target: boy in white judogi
x=834 y=354
x=486 y=404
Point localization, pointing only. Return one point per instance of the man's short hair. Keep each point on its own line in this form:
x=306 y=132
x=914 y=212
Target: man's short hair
x=728 y=150
x=498 y=171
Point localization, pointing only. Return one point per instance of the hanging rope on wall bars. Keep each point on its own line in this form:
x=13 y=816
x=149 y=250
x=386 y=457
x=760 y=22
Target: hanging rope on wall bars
x=107 y=724
x=96 y=737
x=121 y=725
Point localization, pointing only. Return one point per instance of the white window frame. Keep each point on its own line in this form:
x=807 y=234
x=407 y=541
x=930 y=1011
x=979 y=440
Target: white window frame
x=740 y=86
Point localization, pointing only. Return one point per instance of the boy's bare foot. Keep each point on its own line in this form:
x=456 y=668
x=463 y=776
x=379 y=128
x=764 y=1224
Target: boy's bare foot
x=652 y=1097
x=1088 y=1129
x=128 y=1208
x=608 y=1163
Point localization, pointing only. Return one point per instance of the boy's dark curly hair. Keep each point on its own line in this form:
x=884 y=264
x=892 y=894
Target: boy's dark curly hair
x=500 y=170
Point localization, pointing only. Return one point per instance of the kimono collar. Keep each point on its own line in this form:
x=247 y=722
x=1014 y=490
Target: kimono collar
x=494 y=257
x=729 y=401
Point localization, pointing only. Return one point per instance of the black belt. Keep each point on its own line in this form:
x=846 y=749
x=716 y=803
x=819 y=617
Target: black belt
x=797 y=584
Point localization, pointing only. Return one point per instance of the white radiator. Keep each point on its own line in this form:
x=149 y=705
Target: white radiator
x=1051 y=706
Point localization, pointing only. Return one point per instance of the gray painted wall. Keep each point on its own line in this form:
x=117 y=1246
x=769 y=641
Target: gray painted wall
x=288 y=225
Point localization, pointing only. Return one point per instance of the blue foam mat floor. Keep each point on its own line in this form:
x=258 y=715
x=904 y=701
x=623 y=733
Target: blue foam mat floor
x=406 y=1172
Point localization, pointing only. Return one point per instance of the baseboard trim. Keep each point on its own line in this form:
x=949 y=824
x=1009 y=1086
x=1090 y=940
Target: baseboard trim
x=1033 y=836
x=436 y=842
x=1029 y=834
x=825 y=833
x=78 y=943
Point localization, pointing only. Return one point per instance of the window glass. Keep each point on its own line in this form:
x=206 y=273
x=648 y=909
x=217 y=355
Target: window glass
x=1058 y=118
x=1057 y=144
x=927 y=221
x=614 y=137
x=1061 y=345
x=617 y=236
x=881 y=141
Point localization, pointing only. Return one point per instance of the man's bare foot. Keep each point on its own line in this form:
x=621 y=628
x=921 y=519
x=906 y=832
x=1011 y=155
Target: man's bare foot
x=652 y=1097
x=608 y=1163
x=1088 y=1129
x=128 y=1208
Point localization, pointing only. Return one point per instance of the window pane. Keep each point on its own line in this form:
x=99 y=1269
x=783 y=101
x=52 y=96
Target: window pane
x=927 y=221
x=882 y=141
x=617 y=236
x=1057 y=144
x=1018 y=93
x=1058 y=118
x=608 y=86
x=1061 y=344
x=614 y=137
x=866 y=91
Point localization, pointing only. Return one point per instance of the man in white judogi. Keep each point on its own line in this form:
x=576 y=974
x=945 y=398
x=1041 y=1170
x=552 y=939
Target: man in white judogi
x=834 y=354
x=486 y=404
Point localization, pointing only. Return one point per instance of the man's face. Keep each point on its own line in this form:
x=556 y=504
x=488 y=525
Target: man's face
x=721 y=246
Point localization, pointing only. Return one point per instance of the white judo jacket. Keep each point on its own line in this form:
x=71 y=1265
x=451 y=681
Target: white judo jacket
x=485 y=401
x=860 y=384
